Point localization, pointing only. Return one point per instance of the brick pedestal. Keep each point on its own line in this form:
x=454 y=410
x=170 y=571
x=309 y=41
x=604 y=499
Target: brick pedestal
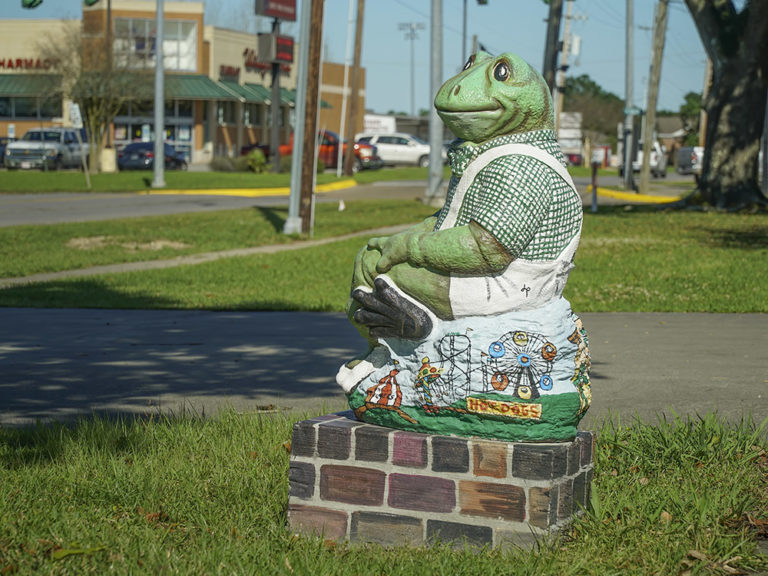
x=356 y=481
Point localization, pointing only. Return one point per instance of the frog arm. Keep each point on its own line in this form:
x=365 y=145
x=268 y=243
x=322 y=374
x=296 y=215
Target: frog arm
x=468 y=249
x=426 y=225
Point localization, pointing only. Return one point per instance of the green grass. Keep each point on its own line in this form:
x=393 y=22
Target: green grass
x=639 y=260
x=136 y=181
x=185 y=495
x=50 y=248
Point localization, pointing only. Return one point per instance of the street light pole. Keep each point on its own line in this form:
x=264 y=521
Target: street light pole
x=410 y=29
x=159 y=160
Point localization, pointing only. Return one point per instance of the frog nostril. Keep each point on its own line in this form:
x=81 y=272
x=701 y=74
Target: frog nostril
x=456 y=90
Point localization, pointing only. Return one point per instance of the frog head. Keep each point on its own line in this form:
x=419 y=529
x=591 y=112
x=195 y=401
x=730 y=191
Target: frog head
x=494 y=96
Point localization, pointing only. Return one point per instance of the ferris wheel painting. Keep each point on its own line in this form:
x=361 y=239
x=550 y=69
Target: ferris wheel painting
x=520 y=363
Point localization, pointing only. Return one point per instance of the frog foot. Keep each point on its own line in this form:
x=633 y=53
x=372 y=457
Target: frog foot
x=354 y=371
x=388 y=312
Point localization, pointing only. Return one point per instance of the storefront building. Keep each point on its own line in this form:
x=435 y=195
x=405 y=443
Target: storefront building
x=217 y=89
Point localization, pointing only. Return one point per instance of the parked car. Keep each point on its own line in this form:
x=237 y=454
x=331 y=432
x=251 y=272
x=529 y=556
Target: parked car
x=47 y=149
x=690 y=159
x=141 y=156
x=4 y=141
x=658 y=161
x=366 y=156
x=400 y=148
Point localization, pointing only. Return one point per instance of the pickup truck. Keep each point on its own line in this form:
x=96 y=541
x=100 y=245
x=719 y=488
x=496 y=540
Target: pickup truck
x=658 y=161
x=690 y=159
x=47 y=149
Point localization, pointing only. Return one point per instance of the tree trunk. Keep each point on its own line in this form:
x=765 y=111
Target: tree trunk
x=735 y=113
x=736 y=42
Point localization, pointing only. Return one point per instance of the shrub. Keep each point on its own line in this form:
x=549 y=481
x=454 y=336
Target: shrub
x=222 y=164
x=257 y=161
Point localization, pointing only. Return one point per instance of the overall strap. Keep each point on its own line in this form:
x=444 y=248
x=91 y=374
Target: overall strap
x=489 y=156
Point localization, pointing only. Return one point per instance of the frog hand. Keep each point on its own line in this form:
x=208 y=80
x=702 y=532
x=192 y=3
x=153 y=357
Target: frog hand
x=387 y=312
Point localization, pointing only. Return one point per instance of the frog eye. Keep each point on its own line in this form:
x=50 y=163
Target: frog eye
x=470 y=61
x=501 y=71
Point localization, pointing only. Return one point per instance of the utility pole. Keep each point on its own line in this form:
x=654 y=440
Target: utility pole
x=659 y=34
x=553 y=40
x=435 y=182
x=310 y=115
x=354 y=87
x=274 y=135
x=159 y=160
x=563 y=66
x=343 y=120
x=410 y=29
x=293 y=221
x=628 y=87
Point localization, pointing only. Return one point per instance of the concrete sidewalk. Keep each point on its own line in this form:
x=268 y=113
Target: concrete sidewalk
x=59 y=364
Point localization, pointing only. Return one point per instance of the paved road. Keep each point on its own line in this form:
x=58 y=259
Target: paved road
x=64 y=363
x=17 y=209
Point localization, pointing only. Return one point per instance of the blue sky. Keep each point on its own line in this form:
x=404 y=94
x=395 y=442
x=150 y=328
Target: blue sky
x=502 y=25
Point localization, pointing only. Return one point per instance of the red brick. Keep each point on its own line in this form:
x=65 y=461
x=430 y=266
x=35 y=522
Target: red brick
x=409 y=449
x=490 y=459
x=492 y=500
x=423 y=493
x=320 y=521
x=352 y=485
x=386 y=529
x=543 y=506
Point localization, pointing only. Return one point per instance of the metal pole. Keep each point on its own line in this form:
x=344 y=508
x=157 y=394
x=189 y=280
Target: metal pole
x=293 y=222
x=274 y=137
x=347 y=58
x=464 y=37
x=628 y=87
x=413 y=74
x=159 y=161
x=434 y=190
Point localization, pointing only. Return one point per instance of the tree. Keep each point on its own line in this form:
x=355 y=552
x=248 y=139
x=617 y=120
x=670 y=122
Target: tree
x=600 y=111
x=737 y=44
x=690 y=113
x=101 y=90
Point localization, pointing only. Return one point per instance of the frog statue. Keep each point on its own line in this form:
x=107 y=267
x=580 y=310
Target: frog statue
x=467 y=328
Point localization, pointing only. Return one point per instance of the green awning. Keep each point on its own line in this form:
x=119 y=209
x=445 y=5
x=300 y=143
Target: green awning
x=29 y=84
x=289 y=97
x=194 y=87
x=246 y=92
x=262 y=91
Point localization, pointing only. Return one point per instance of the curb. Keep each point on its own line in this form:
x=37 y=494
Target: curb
x=251 y=192
x=633 y=197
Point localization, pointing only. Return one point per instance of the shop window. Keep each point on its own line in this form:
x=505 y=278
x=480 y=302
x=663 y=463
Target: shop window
x=253 y=114
x=25 y=107
x=134 y=44
x=185 y=108
x=50 y=107
x=5 y=107
x=227 y=113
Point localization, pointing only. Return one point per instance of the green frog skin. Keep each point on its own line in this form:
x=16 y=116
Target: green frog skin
x=491 y=97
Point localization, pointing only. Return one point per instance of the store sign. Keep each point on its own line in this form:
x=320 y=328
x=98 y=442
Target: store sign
x=282 y=9
x=252 y=62
x=229 y=72
x=27 y=63
x=274 y=48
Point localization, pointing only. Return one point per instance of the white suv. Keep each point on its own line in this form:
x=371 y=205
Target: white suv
x=399 y=148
